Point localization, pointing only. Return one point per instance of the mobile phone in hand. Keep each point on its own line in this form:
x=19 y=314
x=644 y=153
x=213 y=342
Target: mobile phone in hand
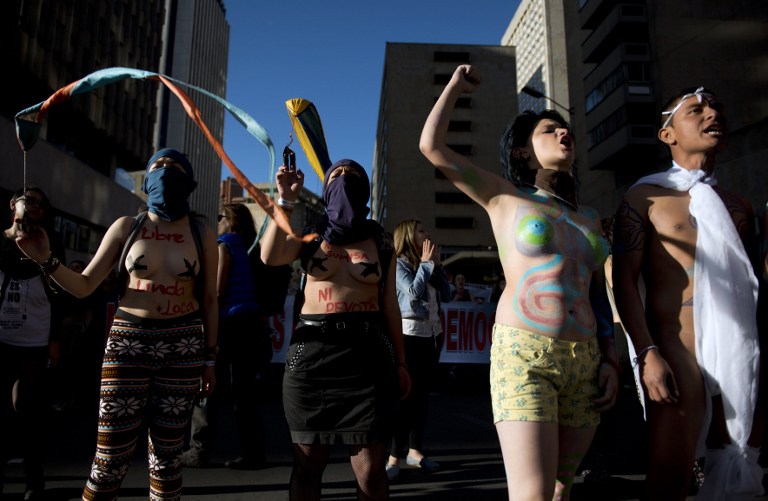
x=289 y=158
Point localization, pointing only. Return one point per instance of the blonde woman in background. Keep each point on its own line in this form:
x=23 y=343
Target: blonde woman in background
x=421 y=286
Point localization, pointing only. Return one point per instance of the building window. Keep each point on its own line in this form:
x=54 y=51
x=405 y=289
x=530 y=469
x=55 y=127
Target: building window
x=442 y=79
x=460 y=126
x=456 y=223
x=642 y=131
x=527 y=102
x=451 y=57
x=462 y=149
x=78 y=236
x=452 y=197
x=462 y=102
x=636 y=49
x=639 y=90
x=626 y=72
x=638 y=72
x=604 y=129
x=604 y=88
x=633 y=10
x=68 y=230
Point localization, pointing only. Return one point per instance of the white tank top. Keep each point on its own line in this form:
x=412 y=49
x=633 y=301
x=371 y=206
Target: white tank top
x=25 y=313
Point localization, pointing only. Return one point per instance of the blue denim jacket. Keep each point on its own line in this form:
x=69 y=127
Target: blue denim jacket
x=412 y=295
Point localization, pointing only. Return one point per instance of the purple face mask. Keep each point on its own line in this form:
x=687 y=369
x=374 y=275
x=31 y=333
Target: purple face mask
x=346 y=199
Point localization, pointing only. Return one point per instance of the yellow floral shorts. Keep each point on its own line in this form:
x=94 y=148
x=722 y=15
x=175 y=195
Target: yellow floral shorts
x=539 y=378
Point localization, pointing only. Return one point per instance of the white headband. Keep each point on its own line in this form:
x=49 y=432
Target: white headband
x=699 y=93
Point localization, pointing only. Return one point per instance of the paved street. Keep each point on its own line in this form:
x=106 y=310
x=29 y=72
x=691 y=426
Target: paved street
x=460 y=435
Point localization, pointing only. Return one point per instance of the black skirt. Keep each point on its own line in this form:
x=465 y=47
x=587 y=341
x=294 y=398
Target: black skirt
x=340 y=383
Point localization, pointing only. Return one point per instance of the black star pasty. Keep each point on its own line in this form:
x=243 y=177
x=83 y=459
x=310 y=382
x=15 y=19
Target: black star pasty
x=190 y=269
x=135 y=264
x=318 y=262
x=370 y=268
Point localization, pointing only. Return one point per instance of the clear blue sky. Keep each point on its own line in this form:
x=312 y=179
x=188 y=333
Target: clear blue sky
x=332 y=53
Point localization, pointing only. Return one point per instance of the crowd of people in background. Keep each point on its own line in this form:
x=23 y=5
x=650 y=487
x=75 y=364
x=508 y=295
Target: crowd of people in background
x=166 y=321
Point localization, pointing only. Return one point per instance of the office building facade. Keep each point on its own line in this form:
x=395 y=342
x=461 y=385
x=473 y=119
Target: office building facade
x=634 y=55
x=537 y=33
x=618 y=62
x=404 y=184
x=87 y=143
x=308 y=211
x=197 y=52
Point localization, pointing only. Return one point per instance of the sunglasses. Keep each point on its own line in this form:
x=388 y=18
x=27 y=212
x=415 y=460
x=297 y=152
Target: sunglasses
x=221 y=216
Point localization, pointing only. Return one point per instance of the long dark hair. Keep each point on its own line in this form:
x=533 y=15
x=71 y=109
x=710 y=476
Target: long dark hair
x=241 y=222
x=516 y=136
x=45 y=204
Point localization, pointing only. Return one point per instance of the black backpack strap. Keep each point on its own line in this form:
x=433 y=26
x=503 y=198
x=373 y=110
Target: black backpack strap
x=386 y=251
x=4 y=286
x=194 y=225
x=122 y=272
x=307 y=251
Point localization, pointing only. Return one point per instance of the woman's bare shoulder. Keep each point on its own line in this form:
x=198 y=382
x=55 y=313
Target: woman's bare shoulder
x=122 y=227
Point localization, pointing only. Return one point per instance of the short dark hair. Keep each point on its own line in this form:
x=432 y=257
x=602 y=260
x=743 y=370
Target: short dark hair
x=23 y=191
x=516 y=136
x=672 y=102
x=45 y=203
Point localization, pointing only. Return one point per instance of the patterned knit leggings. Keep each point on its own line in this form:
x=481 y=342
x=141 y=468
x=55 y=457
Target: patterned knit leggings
x=151 y=370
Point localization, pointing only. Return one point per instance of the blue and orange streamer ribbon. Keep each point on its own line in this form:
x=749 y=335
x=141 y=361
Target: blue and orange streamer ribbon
x=29 y=120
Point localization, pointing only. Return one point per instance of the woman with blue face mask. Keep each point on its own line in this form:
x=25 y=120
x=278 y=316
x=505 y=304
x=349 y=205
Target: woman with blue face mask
x=161 y=350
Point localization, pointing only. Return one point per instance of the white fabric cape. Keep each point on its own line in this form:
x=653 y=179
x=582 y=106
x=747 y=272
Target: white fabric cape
x=725 y=327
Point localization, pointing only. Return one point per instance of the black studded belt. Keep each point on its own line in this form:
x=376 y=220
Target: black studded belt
x=352 y=323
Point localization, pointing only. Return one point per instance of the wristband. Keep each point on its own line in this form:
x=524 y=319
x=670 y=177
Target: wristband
x=642 y=352
x=49 y=265
x=210 y=363
x=286 y=204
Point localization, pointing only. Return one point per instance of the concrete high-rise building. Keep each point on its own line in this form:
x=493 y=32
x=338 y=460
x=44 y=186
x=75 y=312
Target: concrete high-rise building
x=308 y=211
x=630 y=57
x=537 y=33
x=615 y=63
x=85 y=141
x=634 y=55
x=88 y=143
x=404 y=184
x=196 y=51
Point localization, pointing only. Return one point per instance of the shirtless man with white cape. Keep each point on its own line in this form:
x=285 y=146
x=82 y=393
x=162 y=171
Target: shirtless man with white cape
x=695 y=340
